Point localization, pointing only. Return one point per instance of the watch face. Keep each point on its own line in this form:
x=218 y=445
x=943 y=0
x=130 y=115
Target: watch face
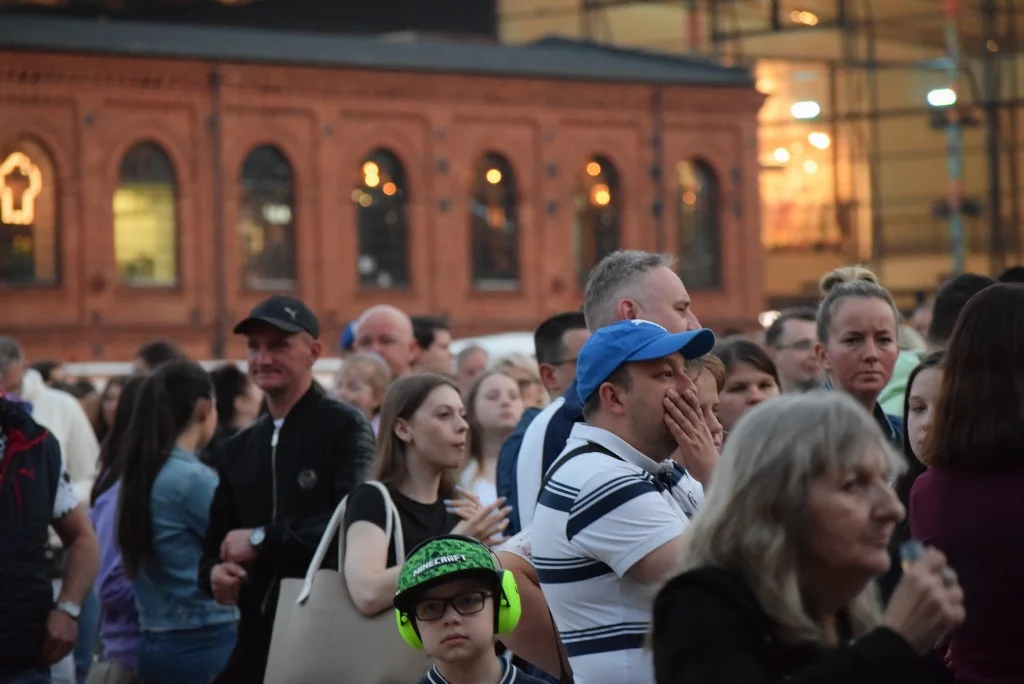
x=256 y=538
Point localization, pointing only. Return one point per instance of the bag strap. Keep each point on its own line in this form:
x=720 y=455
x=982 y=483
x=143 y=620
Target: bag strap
x=333 y=527
x=588 y=448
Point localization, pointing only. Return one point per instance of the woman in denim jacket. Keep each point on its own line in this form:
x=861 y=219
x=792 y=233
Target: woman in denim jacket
x=163 y=514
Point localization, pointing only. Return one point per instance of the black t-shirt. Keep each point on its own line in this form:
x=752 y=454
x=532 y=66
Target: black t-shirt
x=420 y=521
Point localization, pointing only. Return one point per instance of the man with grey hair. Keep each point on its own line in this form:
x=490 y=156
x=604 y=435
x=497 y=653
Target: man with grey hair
x=387 y=331
x=631 y=284
x=625 y=285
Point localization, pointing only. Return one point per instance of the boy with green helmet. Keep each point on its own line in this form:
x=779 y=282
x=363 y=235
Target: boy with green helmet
x=453 y=601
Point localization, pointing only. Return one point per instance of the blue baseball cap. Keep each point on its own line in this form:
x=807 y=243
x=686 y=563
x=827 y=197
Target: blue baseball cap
x=633 y=340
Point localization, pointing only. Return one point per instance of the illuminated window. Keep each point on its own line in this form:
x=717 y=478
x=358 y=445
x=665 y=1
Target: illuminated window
x=381 y=202
x=28 y=216
x=266 y=220
x=494 y=224
x=145 y=218
x=596 y=221
x=699 y=235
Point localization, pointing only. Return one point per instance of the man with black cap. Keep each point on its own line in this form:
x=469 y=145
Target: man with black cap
x=280 y=479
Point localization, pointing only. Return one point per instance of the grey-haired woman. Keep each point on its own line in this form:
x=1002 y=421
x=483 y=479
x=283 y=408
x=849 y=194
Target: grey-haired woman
x=779 y=562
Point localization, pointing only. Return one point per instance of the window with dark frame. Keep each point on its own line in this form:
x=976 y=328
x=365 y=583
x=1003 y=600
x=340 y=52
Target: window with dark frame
x=596 y=221
x=29 y=216
x=699 y=239
x=494 y=224
x=382 y=216
x=145 y=218
x=266 y=220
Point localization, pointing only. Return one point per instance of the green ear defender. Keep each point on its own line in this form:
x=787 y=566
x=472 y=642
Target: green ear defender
x=449 y=557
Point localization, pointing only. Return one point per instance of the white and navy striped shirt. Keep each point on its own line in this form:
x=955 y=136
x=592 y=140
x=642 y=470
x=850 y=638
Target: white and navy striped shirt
x=596 y=518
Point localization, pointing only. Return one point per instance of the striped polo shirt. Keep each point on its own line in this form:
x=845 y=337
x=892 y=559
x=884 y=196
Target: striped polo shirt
x=595 y=519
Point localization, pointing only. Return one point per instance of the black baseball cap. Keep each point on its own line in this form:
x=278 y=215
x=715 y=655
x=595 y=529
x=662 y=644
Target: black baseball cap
x=284 y=313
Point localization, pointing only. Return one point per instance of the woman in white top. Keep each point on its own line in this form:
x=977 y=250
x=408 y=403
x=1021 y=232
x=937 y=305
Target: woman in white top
x=494 y=406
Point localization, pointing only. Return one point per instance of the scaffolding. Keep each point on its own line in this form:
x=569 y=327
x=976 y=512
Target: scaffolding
x=969 y=48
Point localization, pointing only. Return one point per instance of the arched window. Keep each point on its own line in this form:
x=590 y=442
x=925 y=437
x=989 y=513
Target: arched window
x=145 y=218
x=266 y=220
x=28 y=215
x=699 y=238
x=494 y=224
x=596 y=222
x=381 y=201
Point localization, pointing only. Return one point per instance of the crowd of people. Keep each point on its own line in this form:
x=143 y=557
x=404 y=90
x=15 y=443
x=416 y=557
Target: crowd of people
x=831 y=499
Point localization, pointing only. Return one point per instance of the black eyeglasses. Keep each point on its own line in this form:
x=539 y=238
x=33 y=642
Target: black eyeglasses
x=432 y=609
x=562 y=362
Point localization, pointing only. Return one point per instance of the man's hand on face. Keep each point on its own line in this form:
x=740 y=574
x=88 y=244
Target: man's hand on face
x=236 y=547
x=697 y=452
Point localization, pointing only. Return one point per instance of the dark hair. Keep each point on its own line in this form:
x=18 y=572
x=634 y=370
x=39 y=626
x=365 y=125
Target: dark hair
x=773 y=336
x=403 y=398
x=950 y=301
x=46 y=368
x=736 y=350
x=83 y=388
x=915 y=466
x=979 y=416
x=424 y=328
x=158 y=352
x=549 y=338
x=102 y=428
x=1014 y=274
x=111 y=461
x=163 y=410
x=229 y=383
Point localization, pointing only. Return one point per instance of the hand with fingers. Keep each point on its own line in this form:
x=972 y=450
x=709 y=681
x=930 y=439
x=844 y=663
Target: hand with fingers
x=486 y=523
x=927 y=603
x=697 y=452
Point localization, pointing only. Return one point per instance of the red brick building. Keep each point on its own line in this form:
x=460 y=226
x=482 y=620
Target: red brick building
x=157 y=181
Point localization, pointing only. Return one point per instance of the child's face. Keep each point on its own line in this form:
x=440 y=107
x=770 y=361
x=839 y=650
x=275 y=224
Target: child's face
x=352 y=389
x=455 y=637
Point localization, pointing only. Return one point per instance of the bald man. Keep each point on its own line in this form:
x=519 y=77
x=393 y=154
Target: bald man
x=386 y=331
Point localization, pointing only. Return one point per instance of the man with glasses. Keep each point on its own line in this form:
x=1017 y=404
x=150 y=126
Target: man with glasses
x=790 y=341
x=557 y=342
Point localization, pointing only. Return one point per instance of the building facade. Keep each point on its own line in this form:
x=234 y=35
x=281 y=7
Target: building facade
x=158 y=181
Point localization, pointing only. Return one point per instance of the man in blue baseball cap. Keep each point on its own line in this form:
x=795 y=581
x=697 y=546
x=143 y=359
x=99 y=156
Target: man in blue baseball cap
x=608 y=523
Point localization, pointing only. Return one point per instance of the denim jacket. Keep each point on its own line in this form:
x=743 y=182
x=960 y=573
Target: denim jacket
x=166 y=592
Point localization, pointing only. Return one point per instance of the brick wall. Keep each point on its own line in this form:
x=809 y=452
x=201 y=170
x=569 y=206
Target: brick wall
x=87 y=111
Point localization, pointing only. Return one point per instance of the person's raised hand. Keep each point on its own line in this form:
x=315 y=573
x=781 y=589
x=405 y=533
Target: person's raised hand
x=697 y=451
x=927 y=603
x=486 y=523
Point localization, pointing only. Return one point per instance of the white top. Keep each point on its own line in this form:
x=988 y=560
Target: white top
x=63 y=416
x=530 y=463
x=596 y=518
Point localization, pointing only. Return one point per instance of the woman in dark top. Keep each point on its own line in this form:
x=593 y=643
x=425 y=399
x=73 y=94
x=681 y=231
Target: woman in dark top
x=778 y=566
x=968 y=503
x=420 y=447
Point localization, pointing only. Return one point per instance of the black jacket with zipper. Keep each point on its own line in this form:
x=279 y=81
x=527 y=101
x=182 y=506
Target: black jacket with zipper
x=323 y=450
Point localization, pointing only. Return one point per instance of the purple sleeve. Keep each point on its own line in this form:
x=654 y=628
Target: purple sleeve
x=113 y=588
x=923 y=508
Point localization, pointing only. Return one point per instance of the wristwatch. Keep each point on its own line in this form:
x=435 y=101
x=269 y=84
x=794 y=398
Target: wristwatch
x=257 y=537
x=73 y=610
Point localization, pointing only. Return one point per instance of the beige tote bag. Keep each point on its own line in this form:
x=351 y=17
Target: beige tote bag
x=319 y=635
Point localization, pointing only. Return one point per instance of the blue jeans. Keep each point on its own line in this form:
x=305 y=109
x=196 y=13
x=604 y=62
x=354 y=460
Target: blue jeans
x=195 y=656
x=88 y=631
x=37 y=676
